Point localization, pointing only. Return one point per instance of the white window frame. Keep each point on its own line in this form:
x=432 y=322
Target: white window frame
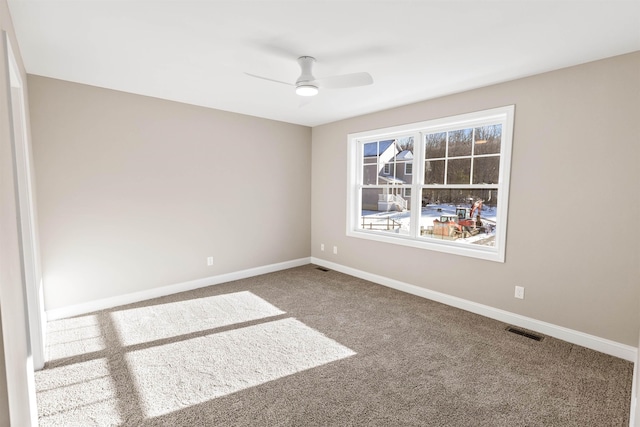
x=355 y=143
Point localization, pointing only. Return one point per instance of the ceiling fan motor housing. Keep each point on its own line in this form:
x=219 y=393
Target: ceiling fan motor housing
x=306 y=84
x=306 y=76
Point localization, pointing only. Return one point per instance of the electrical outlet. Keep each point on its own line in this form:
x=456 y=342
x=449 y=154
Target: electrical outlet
x=335 y=250
x=519 y=292
x=322 y=247
x=210 y=261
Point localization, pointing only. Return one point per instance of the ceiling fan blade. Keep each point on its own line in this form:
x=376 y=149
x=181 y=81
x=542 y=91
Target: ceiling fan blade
x=267 y=78
x=345 y=81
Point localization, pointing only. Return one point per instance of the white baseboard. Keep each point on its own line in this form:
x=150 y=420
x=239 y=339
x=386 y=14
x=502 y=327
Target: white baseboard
x=602 y=345
x=106 y=303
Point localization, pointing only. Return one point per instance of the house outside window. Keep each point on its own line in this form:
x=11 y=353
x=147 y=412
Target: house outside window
x=457 y=200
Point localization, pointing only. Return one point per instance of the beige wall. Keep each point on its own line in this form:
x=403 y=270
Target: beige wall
x=575 y=163
x=136 y=192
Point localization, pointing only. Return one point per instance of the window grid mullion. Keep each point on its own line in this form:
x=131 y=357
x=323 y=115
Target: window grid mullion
x=446 y=160
x=417 y=178
x=473 y=146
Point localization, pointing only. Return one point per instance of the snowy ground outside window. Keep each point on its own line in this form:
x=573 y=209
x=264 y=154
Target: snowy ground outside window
x=399 y=222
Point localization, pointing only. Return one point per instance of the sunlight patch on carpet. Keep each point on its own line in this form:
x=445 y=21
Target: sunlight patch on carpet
x=178 y=375
x=70 y=395
x=150 y=323
x=74 y=336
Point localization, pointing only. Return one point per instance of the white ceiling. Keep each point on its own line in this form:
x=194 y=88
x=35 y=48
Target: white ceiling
x=197 y=52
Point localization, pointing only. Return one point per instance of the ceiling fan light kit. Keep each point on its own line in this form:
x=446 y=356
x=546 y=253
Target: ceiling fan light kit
x=306 y=90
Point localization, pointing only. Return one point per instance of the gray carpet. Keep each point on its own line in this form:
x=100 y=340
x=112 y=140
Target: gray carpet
x=304 y=347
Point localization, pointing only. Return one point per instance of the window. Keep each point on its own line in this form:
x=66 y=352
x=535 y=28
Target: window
x=457 y=200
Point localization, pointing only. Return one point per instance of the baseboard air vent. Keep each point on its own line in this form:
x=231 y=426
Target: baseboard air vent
x=525 y=333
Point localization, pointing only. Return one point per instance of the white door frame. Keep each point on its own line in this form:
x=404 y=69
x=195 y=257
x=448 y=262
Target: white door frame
x=30 y=241
x=22 y=309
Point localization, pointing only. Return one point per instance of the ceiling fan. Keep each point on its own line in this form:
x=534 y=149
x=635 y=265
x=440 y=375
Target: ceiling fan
x=308 y=85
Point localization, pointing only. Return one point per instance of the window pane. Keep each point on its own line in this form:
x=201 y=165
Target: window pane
x=401 y=173
x=370 y=152
x=486 y=170
x=370 y=174
x=435 y=145
x=460 y=142
x=434 y=172
x=385 y=210
x=459 y=171
x=466 y=216
x=370 y=199
x=405 y=143
x=488 y=139
x=404 y=160
x=388 y=169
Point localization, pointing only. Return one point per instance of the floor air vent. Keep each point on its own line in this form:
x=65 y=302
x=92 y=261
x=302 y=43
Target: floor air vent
x=322 y=269
x=524 y=333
